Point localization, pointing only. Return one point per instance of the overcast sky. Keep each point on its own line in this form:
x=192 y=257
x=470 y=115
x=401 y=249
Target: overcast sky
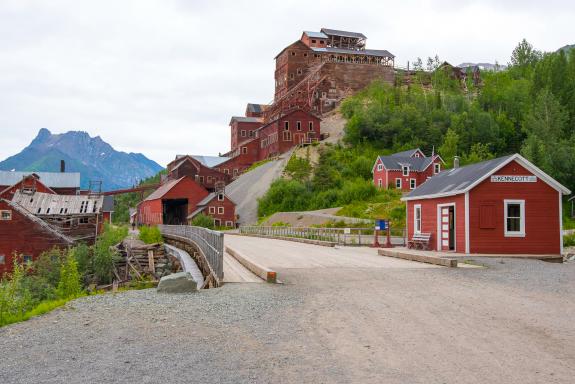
x=163 y=77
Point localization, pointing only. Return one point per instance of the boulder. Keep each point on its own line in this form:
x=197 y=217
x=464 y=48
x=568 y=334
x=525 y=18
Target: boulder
x=181 y=282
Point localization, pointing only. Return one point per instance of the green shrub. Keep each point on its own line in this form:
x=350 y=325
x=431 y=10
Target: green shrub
x=104 y=255
x=204 y=221
x=151 y=235
x=69 y=286
x=569 y=240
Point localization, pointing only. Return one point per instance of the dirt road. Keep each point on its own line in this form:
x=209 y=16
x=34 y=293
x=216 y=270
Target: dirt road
x=512 y=322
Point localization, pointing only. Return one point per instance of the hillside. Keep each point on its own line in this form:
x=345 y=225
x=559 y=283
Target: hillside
x=91 y=156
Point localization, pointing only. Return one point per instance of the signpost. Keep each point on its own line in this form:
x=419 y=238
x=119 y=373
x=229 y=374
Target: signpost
x=382 y=225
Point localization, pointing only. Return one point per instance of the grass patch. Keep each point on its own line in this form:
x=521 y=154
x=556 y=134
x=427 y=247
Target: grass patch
x=150 y=235
x=569 y=240
x=257 y=164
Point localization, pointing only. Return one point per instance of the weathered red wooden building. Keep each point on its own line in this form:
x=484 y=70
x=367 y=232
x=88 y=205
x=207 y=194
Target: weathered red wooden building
x=24 y=234
x=200 y=168
x=218 y=206
x=63 y=183
x=172 y=202
x=405 y=170
x=501 y=206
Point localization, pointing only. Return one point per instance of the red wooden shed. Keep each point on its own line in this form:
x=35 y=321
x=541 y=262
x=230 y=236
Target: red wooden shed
x=501 y=206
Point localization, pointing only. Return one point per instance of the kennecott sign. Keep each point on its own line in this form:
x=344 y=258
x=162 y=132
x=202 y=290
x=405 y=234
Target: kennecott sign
x=513 y=179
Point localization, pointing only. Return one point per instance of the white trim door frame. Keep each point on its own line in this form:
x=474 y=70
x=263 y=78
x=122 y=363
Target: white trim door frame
x=443 y=227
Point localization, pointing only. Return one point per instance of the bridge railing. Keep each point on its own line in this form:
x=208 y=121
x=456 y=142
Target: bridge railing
x=211 y=243
x=340 y=236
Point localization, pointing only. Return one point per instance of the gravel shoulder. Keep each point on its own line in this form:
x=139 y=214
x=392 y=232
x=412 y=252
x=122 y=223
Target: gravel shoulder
x=512 y=322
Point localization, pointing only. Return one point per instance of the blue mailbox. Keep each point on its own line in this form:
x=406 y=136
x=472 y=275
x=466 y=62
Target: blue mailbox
x=381 y=225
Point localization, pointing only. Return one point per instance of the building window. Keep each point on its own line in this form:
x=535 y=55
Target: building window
x=379 y=183
x=251 y=133
x=235 y=172
x=286 y=125
x=217 y=222
x=27 y=259
x=226 y=171
x=291 y=76
x=412 y=184
x=298 y=125
x=84 y=220
x=2 y=259
x=313 y=41
x=323 y=95
x=417 y=218
x=299 y=71
x=322 y=42
x=514 y=218
x=305 y=55
x=201 y=179
x=405 y=170
x=417 y=154
x=244 y=150
x=380 y=167
x=310 y=124
x=286 y=136
x=436 y=168
x=229 y=224
x=220 y=210
x=6 y=215
x=209 y=179
x=293 y=53
x=221 y=197
x=243 y=133
x=212 y=210
x=398 y=183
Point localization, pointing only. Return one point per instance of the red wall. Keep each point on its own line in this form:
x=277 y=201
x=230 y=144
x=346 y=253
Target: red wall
x=229 y=211
x=236 y=130
x=429 y=219
x=542 y=232
x=23 y=236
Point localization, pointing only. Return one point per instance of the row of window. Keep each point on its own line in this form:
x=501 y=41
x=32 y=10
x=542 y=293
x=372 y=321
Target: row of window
x=298 y=125
x=212 y=210
x=513 y=212
x=209 y=179
x=218 y=223
x=26 y=259
x=245 y=133
x=273 y=138
x=398 y=183
x=405 y=169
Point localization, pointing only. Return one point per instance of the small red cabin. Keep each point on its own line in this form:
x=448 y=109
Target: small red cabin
x=501 y=206
x=405 y=170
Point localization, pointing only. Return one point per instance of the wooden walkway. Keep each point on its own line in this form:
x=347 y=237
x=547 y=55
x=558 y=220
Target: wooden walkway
x=234 y=272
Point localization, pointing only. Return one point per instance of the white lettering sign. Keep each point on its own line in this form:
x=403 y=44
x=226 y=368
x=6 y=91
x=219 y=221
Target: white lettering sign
x=513 y=179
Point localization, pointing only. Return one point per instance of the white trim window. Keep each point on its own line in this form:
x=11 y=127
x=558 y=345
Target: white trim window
x=514 y=214
x=436 y=168
x=212 y=210
x=380 y=167
x=229 y=224
x=5 y=215
x=2 y=259
x=220 y=197
x=412 y=183
x=398 y=183
x=243 y=133
x=220 y=210
x=298 y=125
x=417 y=218
x=379 y=183
x=244 y=150
x=405 y=170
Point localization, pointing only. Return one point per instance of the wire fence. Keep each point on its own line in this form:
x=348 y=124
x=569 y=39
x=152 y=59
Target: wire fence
x=211 y=243
x=340 y=236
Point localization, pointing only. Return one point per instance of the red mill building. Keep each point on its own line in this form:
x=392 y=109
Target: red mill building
x=321 y=68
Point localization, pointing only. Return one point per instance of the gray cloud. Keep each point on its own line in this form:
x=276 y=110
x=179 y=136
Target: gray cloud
x=164 y=77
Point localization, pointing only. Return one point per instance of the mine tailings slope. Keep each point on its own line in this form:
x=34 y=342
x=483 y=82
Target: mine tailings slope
x=249 y=187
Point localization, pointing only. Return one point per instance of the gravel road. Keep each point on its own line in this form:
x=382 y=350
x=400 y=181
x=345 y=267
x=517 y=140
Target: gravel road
x=513 y=322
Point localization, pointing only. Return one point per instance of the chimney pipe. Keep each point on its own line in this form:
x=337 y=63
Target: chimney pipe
x=62 y=166
x=456 y=162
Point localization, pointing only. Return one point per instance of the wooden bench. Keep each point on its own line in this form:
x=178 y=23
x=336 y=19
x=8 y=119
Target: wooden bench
x=419 y=241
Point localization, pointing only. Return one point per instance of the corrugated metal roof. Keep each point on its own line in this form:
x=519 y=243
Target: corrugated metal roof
x=41 y=223
x=243 y=119
x=163 y=189
x=335 y=32
x=257 y=108
x=316 y=35
x=395 y=162
x=366 y=52
x=456 y=180
x=108 y=204
x=40 y=203
x=211 y=161
x=49 y=179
